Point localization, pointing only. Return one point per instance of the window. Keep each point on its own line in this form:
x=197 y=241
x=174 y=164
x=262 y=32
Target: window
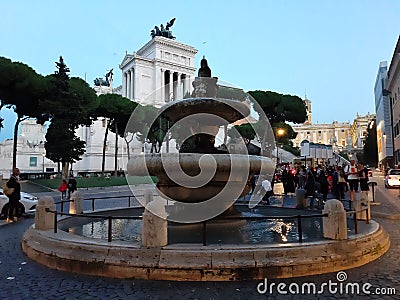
x=33 y=161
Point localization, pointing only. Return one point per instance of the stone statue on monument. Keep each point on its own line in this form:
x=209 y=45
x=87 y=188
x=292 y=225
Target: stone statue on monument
x=163 y=31
x=107 y=82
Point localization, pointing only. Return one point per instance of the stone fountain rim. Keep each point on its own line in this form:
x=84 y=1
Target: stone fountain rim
x=71 y=253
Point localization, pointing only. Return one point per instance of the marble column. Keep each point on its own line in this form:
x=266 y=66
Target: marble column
x=133 y=84
x=184 y=82
x=171 y=86
x=128 y=84
x=163 y=85
x=124 y=85
x=179 y=87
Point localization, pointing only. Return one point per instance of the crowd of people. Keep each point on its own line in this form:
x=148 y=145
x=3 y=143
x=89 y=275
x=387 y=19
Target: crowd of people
x=334 y=180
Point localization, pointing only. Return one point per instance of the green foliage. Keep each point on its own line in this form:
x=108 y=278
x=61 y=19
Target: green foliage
x=280 y=108
x=245 y=131
x=21 y=89
x=150 y=127
x=85 y=182
x=371 y=146
x=116 y=108
x=69 y=102
x=61 y=143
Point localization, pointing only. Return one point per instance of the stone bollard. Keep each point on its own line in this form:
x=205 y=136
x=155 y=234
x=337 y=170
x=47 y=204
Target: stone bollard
x=148 y=197
x=76 y=204
x=335 y=225
x=154 y=226
x=44 y=220
x=301 y=199
x=361 y=202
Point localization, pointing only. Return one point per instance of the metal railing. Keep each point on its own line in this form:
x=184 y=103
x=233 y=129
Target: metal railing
x=93 y=199
x=297 y=217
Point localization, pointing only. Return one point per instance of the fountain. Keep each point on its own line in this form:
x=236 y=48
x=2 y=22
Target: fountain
x=199 y=186
x=201 y=180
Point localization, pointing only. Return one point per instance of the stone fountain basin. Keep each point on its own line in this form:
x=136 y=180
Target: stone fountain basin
x=222 y=169
x=228 y=110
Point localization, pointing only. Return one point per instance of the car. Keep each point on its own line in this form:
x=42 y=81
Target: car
x=392 y=178
x=27 y=204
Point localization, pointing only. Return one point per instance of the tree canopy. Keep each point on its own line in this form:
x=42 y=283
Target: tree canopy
x=22 y=90
x=280 y=108
x=70 y=102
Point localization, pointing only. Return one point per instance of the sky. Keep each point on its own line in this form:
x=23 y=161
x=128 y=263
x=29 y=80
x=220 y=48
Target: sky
x=327 y=50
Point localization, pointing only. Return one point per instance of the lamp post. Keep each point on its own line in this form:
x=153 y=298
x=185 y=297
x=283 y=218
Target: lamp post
x=279 y=133
x=43 y=155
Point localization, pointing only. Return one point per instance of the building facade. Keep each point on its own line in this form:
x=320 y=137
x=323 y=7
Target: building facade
x=30 y=151
x=393 y=92
x=383 y=118
x=160 y=71
x=343 y=136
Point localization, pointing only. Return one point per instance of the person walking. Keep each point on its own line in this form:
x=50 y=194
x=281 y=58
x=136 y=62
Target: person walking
x=14 y=197
x=341 y=184
x=323 y=184
x=363 y=177
x=71 y=185
x=266 y=184
x=63 y=189
x=352 y=178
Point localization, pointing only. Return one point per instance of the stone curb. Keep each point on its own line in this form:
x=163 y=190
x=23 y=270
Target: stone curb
x=385 y=216
x=72 y=253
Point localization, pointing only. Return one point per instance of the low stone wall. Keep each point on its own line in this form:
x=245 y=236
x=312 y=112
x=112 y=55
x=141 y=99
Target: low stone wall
x=194 y=262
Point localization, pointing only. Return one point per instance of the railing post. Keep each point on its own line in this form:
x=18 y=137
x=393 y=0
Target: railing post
x=299 y=229
x=367 y=211
x=55 y=221
x=204 y=234
x=109 y=229
x=355 y=222
x=92 y=204
x=129 y=201
x=62 y=205
x=43 y=216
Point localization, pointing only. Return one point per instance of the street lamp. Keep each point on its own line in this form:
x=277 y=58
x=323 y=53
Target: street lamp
x=43 y=155
x=279 y=133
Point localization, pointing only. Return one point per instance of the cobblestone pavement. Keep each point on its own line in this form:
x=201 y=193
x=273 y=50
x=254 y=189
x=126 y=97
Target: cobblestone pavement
x=21 y=278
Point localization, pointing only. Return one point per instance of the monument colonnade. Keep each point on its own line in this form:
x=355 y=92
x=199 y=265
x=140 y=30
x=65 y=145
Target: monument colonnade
x=175 y=84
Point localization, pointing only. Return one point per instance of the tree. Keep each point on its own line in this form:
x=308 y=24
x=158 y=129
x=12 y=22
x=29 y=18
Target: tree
x=70 y=102
x=279 y=110
x=21 y=89
x=150 y=127
x=117 y=110
x=371 y=145
x=245 y=131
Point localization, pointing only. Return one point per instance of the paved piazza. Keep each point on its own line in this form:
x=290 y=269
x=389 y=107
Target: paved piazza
x=21 y=278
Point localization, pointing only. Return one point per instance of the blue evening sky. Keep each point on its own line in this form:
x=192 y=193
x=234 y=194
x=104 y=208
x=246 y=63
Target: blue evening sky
x=329 y=50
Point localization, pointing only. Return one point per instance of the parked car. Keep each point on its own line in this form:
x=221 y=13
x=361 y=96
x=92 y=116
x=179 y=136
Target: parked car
x=392 y=178
x=27 y=204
